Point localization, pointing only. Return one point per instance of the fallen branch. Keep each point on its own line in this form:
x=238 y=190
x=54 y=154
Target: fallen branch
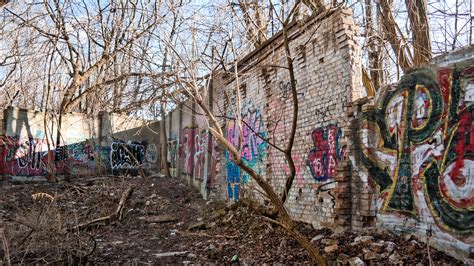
x=205 y=235
x=273 y=221
x=117 y=215
x=5 y=245
x=170 y=254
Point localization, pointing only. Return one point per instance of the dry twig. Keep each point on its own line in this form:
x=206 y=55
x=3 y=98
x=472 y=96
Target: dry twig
x=117 y=215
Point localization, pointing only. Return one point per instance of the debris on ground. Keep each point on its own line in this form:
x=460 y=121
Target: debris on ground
x=165 y=220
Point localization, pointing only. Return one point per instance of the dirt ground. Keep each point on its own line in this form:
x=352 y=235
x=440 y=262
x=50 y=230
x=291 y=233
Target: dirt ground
x=166 y=221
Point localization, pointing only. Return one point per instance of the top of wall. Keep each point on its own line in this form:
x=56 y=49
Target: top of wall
x=453 y=57
x=295 y=29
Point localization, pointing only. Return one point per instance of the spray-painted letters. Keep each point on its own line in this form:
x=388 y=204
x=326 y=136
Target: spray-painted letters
x=253 y=147
x=126 y=155
x=418 y=146
x=327 y=152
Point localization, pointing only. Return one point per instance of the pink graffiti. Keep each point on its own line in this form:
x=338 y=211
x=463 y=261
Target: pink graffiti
x=187 y=150
x=327 y=152
x=251 y=141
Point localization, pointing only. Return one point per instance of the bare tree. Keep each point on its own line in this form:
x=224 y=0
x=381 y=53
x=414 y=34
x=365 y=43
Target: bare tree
x=190 y=83
x=96 y=46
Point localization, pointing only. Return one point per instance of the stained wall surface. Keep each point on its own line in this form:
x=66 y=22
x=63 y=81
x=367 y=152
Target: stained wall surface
x=401 y=160
x=413 y=156
x=327 y=71
x=30 y=145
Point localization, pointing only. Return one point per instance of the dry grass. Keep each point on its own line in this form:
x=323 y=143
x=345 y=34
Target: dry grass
x=42 y=227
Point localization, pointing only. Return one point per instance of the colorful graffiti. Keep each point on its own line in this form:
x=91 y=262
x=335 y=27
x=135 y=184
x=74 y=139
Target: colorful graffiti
x=200 y=155
x=195 y=150
x=418 y=146
x=326 y=153
x=78 y=158
x=29 y=157
x=24 y=156
x=151 y=153
x=252 y=147
x=205 y=148
x=187 y=150
x=126 y=155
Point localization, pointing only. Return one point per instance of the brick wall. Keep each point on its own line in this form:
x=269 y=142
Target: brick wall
x=413 y=156
x=400 y=161
x=326 y=71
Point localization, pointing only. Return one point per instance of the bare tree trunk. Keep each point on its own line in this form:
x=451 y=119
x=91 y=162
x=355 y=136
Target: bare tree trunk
x=164 y=142
x=456 y=16
x=391 y=29
x=294 y=97
x=372 y=38
x=163 y=137
x=470 y=22
x=317 y=6
x=418 y=15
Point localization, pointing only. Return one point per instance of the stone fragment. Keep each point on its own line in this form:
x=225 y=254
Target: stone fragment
x=377 y=247
x=364 y=240
x=197 y=226
x=356 y=261
x=331 y=249
x=165 y=218
x=395 y=258
x=409 y=237
x=338 y=231
x=342 y=258
x=372 y=256
x=317 y=238
x=329 y=242
x=390 y=247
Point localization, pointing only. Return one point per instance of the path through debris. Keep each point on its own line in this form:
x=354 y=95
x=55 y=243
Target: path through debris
x=160 y=220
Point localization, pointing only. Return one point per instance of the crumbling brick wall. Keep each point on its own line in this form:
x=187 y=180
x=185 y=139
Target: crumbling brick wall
x=400 y=161
x=413 y=156
x=325 y=53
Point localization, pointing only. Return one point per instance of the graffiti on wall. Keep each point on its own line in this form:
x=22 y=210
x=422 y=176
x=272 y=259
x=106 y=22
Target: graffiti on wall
x=29 y=157
x=253 y=147
x=326 y=153
x=126 y=155
x=80 y=157
x=198 y=155
x=24 y=156
x=205 y=148
x=418 y=147
x=151 y=153
x=187 y=150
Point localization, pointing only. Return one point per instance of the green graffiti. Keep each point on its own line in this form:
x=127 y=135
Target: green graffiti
x=460 y=220
x=401 y=139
